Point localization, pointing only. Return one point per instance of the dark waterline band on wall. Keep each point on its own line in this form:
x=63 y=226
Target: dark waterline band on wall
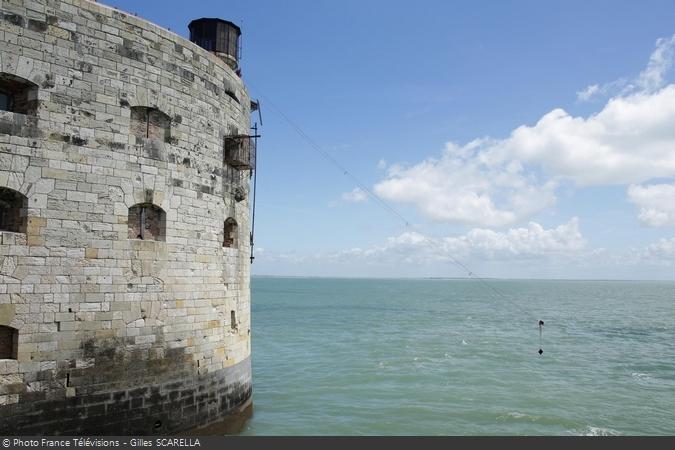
x=220 y=400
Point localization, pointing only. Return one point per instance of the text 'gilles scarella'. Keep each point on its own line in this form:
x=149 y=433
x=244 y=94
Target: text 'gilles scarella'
x=99 y=442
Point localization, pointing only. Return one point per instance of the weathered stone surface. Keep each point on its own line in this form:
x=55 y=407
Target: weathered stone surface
x=118 y=335
x=7 y=314
x=164 y=407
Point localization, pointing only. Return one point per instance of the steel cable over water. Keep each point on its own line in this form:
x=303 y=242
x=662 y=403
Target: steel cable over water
x=494 y=292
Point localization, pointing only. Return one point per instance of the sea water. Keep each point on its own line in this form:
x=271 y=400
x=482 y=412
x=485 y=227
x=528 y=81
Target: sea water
x=460 y=357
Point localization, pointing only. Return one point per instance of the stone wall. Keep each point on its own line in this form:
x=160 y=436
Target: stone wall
x=112 y=329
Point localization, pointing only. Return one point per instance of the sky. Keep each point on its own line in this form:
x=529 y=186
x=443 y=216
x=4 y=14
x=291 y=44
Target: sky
x=520 y=139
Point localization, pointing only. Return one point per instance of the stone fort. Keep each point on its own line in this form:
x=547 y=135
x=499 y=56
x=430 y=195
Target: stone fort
x=125 y=164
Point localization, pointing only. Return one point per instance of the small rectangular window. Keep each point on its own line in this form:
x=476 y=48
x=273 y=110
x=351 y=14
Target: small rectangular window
x=5 y=102
x=13 y=207
x=9 y=342
x=18 y=95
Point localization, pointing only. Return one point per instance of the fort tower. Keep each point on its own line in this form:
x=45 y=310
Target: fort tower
x=125 y=160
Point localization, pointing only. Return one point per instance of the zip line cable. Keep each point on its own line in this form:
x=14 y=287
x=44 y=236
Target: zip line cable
x=385 y=205
x=335 y=162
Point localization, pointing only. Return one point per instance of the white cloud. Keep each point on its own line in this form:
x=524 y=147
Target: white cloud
x=528 y=242
x=593 y=92
x=650 y=79
x=382 y=164
x=656 y=203
x=532 y=241
x=356 y=195
x=657 y=254
x=661 y=251
x=527 y=251
x=659 y=64
x=467 y=186
x=411 y=247
x=588 y=93
x=492 y=182
x=630 y=141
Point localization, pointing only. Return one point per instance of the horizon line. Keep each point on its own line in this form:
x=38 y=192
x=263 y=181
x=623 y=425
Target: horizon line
x=459 y=278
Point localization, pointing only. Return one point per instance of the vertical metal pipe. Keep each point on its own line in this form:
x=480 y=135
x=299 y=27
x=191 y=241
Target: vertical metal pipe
x=142 y=222
x=147 y=122
x=255 y=180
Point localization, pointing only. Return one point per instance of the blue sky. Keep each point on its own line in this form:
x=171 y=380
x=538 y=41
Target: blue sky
x=526 y=139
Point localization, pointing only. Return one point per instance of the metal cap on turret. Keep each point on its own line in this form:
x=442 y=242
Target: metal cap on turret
x=218 y=36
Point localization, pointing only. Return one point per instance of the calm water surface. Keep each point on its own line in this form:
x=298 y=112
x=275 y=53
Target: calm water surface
x=448 y=357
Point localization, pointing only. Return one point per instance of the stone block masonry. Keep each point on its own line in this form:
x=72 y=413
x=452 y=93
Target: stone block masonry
x=119 y=278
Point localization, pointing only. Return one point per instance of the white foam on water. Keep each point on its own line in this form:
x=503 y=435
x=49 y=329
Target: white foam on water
x=599 y=431
x=464 y=342
x=515 y=415
x=644 y=379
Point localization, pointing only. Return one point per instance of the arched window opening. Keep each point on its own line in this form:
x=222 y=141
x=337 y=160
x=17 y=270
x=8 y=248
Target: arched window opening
x=147 y=222
x=9 y=342
x=13 y=208
x=150 y=123
x=230 y=235
x=18 y=95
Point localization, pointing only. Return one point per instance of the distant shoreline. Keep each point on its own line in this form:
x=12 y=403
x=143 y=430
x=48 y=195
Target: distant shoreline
x=337 y=277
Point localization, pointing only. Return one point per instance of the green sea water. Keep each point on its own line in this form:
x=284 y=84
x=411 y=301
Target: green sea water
x=451 y=357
